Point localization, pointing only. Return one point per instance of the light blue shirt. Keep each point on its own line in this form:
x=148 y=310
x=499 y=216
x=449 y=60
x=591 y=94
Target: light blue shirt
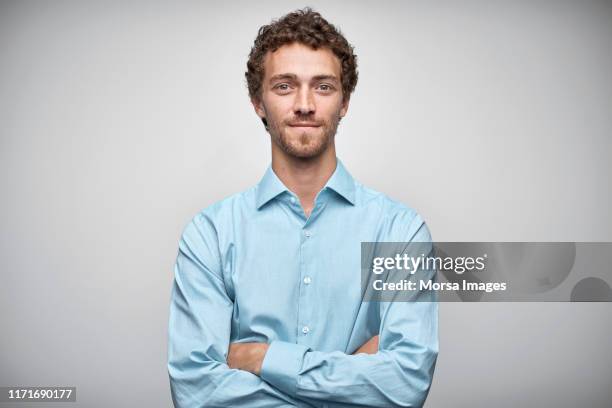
x=254 y=268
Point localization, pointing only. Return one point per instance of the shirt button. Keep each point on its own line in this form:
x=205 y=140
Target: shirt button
x=293 y=200
x=305 y=329
x=307 y=233
x=307 y=280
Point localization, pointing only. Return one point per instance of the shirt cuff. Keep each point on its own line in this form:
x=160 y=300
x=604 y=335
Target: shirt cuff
x=282 y=364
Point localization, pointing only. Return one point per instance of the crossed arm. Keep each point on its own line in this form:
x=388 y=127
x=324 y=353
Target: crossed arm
x=393 y=369
x=249 y=356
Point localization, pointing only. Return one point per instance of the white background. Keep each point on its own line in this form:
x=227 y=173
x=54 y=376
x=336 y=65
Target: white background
x=120 y=121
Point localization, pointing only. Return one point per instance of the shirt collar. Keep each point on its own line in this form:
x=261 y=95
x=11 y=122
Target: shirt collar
x=342 y=183
x=271 y=186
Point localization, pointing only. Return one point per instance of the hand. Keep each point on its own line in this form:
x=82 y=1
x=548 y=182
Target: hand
x=369 y=347
x=247 y=356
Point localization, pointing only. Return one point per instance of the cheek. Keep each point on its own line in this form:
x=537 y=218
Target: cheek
x=277 y=107
x=329 y=106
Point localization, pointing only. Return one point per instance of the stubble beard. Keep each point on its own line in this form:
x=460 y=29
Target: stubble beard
x=307 y=144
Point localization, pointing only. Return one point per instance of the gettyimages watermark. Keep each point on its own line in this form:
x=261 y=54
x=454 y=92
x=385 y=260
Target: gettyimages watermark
x=487 y=271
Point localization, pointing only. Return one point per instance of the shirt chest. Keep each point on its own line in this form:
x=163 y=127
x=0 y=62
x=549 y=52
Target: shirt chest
x=298 y=282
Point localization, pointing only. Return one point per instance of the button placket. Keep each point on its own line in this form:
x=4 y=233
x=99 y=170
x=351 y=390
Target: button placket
x=305 y=291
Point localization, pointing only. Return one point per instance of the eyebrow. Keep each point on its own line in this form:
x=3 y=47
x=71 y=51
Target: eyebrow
x=293 y=77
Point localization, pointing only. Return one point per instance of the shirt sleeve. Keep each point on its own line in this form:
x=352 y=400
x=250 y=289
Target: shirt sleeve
x=399 y=375
x=199 y=332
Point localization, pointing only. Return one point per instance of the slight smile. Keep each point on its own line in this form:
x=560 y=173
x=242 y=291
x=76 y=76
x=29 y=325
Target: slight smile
x=304 y=125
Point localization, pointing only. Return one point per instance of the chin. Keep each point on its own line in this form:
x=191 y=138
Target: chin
x=302 y=144
x=304 y=132
x=308 y=154
x=304 y=152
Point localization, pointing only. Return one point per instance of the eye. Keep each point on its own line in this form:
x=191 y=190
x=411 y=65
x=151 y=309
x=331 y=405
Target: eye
x=326 y=87
x=282 y=87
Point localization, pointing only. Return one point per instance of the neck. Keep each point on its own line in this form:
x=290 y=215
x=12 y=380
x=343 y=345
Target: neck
x=304 y=176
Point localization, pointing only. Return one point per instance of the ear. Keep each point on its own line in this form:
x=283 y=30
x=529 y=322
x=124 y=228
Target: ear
x=344 y=109
x=259 y=109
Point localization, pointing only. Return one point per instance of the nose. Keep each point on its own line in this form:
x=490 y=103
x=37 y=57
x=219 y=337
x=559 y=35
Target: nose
x=304 y=102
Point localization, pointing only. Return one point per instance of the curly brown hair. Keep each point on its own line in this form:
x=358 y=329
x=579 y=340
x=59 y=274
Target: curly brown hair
x=307 y=27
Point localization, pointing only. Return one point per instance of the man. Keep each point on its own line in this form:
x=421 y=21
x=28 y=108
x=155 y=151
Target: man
x=267 y=307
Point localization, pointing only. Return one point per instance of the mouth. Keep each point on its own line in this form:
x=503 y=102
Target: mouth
x=304 y=125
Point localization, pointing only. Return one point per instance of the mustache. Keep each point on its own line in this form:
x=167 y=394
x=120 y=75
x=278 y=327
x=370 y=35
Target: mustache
x=305 y=122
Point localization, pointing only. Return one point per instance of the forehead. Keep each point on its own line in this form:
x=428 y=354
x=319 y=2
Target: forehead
x=301 y=60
